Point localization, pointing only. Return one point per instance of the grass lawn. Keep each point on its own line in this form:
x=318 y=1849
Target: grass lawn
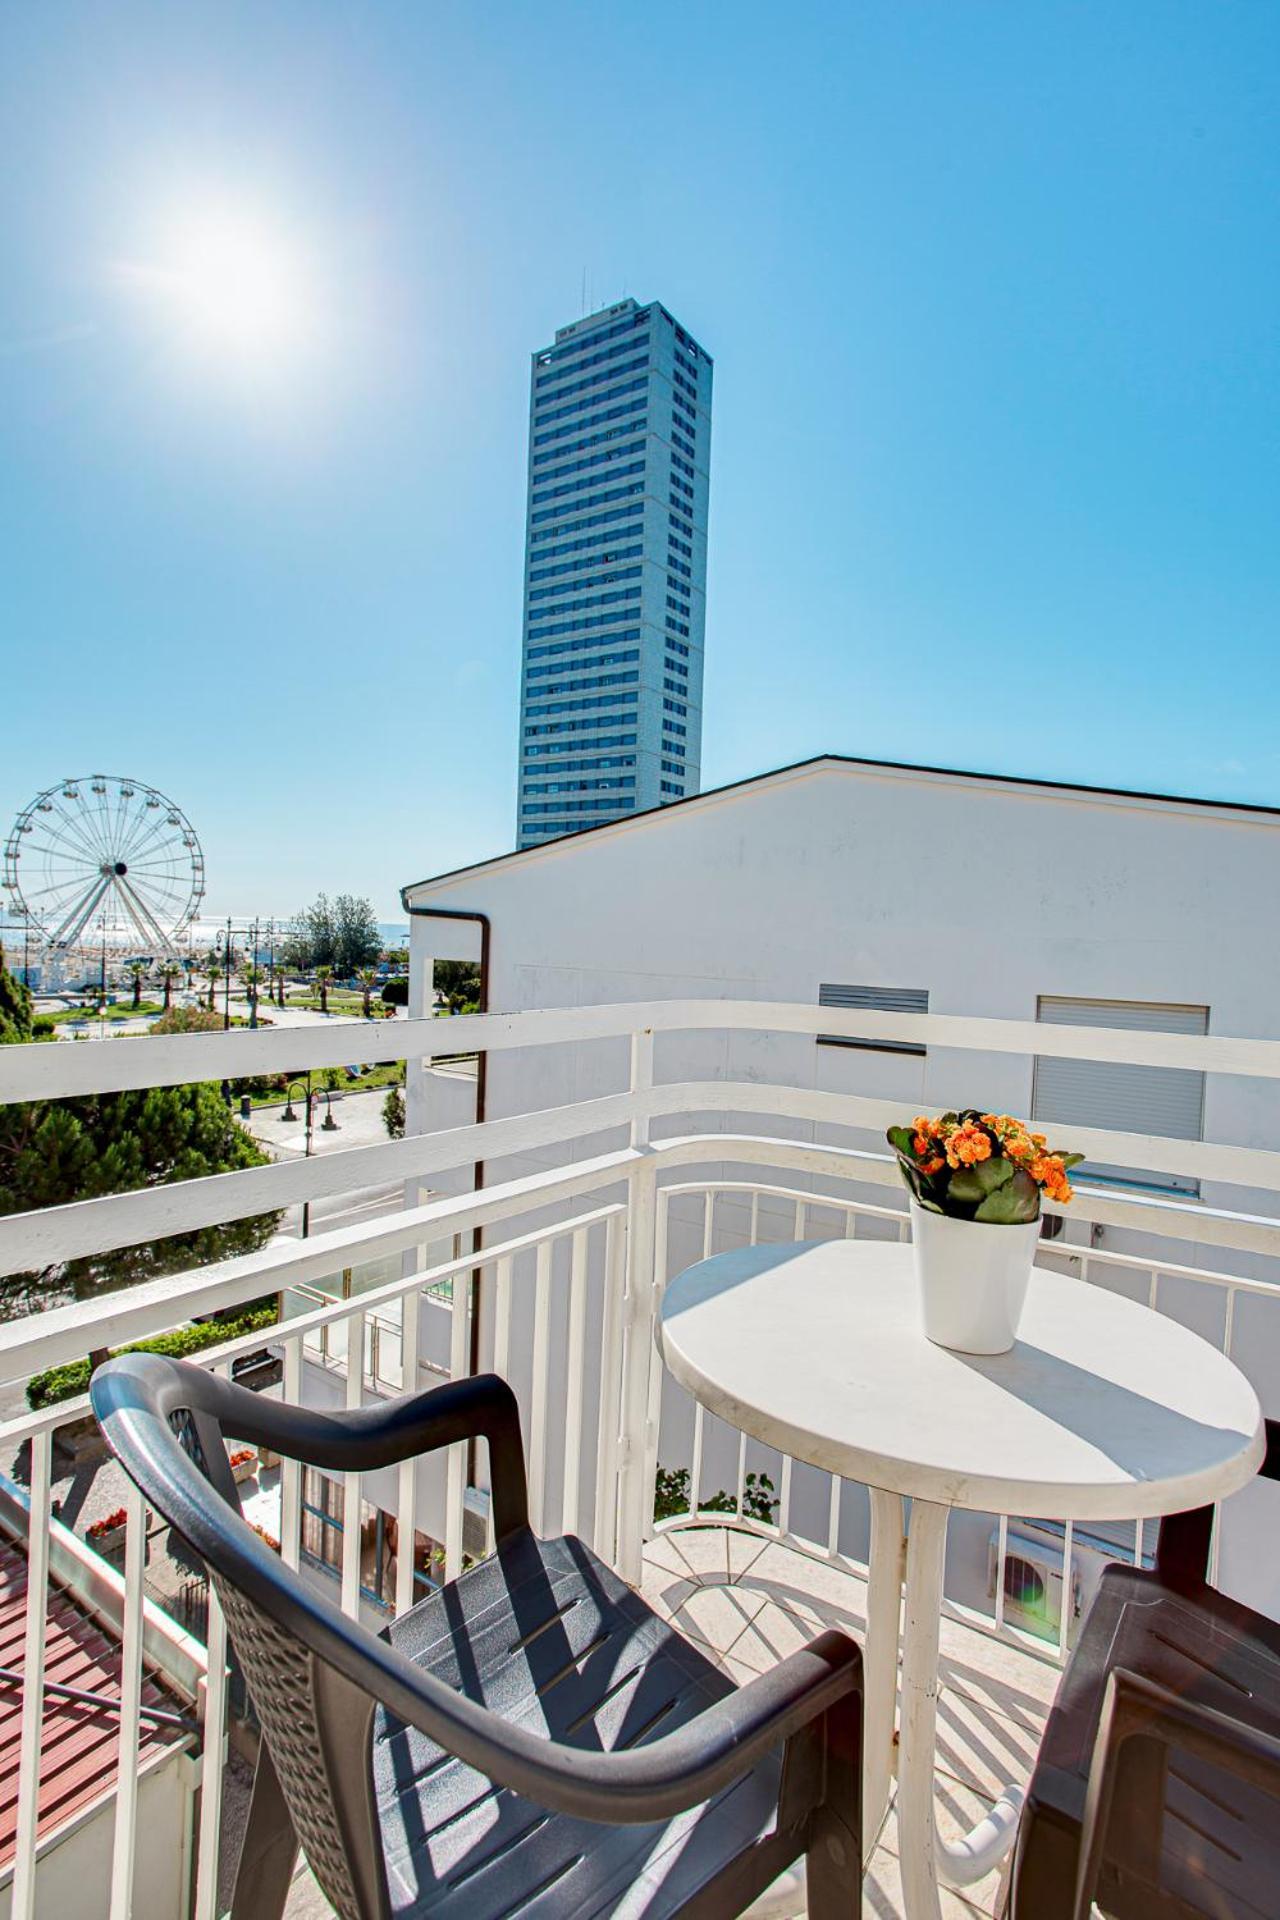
x=120 y=1011
x=376 y=1079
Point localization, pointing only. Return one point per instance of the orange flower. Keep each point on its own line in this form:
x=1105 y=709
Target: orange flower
x=935 y=1165
x=923 y=1124
x=922 y=1144
x=968 y=1145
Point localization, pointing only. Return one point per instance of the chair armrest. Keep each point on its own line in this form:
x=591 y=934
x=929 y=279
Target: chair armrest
x=1137 y=1708
x=379 y=1435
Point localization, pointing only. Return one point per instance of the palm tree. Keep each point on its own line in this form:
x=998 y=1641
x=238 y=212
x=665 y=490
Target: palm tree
x=137 y=973
x=212 y=971
x=253 y=982
x=323 y=976
x=368 y=981
x=169 y=972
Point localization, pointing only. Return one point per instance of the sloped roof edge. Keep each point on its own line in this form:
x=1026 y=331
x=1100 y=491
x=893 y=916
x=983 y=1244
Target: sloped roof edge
x=839 y=760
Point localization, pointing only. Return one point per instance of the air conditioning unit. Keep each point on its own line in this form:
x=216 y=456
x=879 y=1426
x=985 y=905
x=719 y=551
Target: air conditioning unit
x=1035 y=1579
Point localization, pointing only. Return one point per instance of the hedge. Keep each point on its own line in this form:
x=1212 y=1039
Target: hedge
x=65 y=1383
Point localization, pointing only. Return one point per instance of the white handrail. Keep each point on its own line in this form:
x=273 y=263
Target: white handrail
x=44 y=1071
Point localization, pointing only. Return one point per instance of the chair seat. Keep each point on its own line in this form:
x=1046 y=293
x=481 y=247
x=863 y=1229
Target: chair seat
x=1217 y=1851
x=546 y=1635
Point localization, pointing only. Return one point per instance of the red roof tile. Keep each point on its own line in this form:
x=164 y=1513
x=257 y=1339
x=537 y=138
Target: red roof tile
x=79 y=1742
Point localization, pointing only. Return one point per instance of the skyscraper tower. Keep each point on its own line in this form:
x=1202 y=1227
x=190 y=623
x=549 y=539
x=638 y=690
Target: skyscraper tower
x=615 y=571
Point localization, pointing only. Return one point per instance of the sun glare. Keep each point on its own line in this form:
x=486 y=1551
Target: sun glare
x=230 y=283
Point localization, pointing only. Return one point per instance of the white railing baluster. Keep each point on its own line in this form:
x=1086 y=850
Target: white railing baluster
x=1067 y=1614
x=126 y=1821
x=212 y=1762
x=351 y=1493
x=501 y=1352
x=615 y=1255
x=708 y=1228
x=1137 y=1543
x=695 y=1470
x=850 y=1223
x=1002 y=1561
x=1153 y=1289
x=833 y=1517
x=456 y=1466
x=37 y=1612
x=407 y=1472
x=291 y=1470
x=742 y=1476
x=1229 y=1324
x=213 y=1731
x=538 y=1437
x=755 y=1216
x=575 y=1361
x=799 y=1219
x=784 y=1497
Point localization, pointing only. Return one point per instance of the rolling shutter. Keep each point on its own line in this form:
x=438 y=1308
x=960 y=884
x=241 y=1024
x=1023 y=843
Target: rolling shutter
x=1129 y=1099
x=882 y=1000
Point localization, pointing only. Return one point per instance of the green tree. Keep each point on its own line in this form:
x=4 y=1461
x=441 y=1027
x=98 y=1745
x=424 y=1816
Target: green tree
x=169 y=972
x=324 y=976
x=52 y=1152
x=15 y=1007
x=368 y=981
x=340 y=933
x=393 y=1113
x=212 y=971
x=137 y=973
x=459 y=982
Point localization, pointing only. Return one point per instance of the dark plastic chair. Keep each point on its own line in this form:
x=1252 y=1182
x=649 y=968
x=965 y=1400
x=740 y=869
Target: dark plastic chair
x=1157 y=1787
x=533 y=1740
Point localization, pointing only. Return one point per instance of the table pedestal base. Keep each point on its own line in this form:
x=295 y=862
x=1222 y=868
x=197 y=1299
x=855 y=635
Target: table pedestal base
x=925 y=1857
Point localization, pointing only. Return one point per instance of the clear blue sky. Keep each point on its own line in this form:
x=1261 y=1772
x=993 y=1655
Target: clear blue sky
x=992 y=294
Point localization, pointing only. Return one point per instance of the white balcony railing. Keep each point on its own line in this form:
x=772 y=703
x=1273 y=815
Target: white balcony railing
x=574 y=1259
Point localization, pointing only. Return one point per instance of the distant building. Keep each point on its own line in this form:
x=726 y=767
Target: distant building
x=615 y=571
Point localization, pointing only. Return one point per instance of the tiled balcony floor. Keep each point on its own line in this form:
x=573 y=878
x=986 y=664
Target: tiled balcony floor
x=752 y=1602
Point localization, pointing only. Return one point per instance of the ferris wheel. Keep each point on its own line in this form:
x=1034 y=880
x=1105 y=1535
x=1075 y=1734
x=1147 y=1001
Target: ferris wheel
x=107 y=859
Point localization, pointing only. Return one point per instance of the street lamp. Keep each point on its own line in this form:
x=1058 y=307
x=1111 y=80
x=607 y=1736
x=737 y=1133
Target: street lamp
x=328 y=1125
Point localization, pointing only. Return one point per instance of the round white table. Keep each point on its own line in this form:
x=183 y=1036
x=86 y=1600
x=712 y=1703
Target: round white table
x=1103 y=1410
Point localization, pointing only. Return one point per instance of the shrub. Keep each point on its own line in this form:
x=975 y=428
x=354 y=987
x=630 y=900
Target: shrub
x=66 y=1382
x=671 y=1497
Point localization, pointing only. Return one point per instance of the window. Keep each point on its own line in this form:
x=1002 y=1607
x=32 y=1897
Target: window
x=596 y=419
x=581 y=445
x=675 y=706
x=590 y=500
x=543 y=493
x=579 y=407
x=1168 y=1101
x=682 y=466
x=673 y=726
x=555 y=379
x=608 y=556
x=671 y=786
x=880 y=1000
x=581 y=706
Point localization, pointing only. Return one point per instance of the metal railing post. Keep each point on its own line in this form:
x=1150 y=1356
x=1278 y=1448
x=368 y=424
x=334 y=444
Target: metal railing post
x=638 y=1317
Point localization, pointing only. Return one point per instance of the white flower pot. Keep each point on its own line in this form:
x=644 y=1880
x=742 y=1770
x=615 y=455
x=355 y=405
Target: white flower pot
x=973 y=1279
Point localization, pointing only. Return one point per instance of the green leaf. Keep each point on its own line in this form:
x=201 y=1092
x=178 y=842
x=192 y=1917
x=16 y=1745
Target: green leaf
x=1015 y=1204
x=970 y=1185
x=1070 y=1160
x=900 y=1139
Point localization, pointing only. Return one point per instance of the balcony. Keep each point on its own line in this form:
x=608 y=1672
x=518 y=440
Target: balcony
x=551 y=1273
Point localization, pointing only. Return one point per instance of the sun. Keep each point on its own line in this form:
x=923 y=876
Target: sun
x=233 y=282
x=227 y=280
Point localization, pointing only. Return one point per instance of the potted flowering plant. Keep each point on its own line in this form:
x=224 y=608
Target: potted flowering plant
x=244 y=1464
x=976 y=1183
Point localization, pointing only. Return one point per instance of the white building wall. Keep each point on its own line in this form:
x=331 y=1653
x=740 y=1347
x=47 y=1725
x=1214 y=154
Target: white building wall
x=987 y=894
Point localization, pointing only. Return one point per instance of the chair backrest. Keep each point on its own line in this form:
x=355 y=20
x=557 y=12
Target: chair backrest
x=168 y=1423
